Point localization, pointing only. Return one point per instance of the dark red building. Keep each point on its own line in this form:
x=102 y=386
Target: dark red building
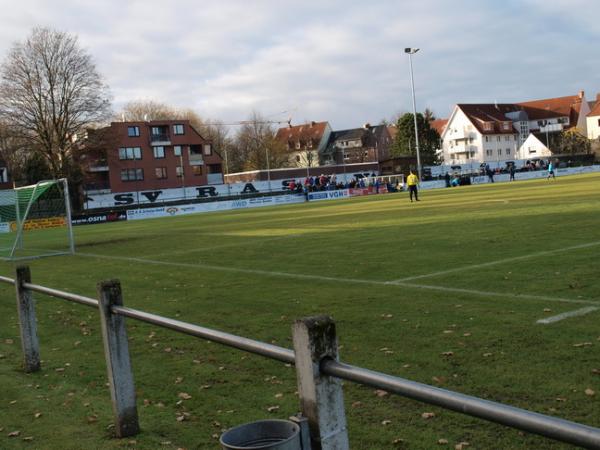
x=160 y=154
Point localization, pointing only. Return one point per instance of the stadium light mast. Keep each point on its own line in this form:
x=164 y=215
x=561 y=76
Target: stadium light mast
x=410 y=52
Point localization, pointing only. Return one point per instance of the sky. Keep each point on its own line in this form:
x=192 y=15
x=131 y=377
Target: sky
x=336 y=61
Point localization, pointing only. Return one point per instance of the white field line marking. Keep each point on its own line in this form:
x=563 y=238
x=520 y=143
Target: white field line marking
x=499 y=261
x=566 y=315
x=342 y=280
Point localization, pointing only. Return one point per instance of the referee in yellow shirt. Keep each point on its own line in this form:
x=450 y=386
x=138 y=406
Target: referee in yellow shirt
x=413 y=181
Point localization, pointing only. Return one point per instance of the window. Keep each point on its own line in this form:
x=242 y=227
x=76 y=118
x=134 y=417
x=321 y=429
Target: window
x=487 y=139
x=508 y=151
x=177 y=150
x=507 y=138
x=207 y=150
x=197 y=170
x=159 y=152
x=132 y=174
x=488 y=152
x=160 y=172
x=179 y=171
x=498 y=138
x=130 y=153
x=133 y=131
x=178 y=129
x=195 y=155
x=599 y=122
x=214 y=168
x=160 y=133
x=499 y=152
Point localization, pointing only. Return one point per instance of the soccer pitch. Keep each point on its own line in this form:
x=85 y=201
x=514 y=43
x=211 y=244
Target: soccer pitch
x=489 y=290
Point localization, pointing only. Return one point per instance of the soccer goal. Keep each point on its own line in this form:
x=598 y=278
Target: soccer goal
x=35 y=221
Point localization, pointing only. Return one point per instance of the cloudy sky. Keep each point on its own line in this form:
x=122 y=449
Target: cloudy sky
x=327 y=60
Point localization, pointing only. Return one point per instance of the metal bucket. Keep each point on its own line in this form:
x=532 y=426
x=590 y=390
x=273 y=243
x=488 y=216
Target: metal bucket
x=263 y=435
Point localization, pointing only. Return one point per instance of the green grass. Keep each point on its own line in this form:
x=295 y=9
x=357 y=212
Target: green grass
x=239 y=272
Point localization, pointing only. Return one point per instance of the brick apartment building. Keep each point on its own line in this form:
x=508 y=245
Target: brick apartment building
x=160 y=154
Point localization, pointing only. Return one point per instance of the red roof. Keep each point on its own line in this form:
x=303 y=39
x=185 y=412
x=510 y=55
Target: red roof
x=302 y=133
x=596 y=108
x=439 y=125
x=490 y=115
x=488 y=118
x=569 y=106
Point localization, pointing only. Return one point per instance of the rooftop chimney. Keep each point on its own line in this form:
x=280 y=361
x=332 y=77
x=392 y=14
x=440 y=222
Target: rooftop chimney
x=581 y=94
x=312 y=123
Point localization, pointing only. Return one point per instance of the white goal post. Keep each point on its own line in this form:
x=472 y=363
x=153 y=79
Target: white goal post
x=35 y=221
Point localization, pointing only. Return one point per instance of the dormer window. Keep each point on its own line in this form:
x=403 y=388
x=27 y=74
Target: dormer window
x=488 y=126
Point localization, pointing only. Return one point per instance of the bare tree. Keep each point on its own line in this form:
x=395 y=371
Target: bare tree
x=253 y=144
x=50 y=93
x=146 y=110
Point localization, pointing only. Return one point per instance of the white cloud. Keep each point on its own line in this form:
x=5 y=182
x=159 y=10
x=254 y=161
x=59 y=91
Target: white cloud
x=341 y=61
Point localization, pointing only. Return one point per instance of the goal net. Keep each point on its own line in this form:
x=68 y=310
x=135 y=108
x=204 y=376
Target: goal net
x=35 y=221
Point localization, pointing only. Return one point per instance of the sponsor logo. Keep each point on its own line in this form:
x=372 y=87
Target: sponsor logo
x=172 y=210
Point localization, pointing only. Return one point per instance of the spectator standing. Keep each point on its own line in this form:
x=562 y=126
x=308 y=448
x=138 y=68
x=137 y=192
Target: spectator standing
x=412 y=181
x=512 y=171
x=489 y=172
x=550 y=170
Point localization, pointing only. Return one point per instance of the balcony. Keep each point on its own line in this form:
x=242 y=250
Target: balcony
x=99 y=165
x=160 y=139
x=457 y=149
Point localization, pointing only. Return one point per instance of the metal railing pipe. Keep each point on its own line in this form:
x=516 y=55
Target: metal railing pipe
x=7 y=280
x=551 y=427
x=64 y=295
x=231 y=340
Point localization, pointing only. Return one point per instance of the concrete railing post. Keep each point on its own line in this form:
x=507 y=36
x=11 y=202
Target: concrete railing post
x=321 y=396
x=27 y=322
x=118 y=364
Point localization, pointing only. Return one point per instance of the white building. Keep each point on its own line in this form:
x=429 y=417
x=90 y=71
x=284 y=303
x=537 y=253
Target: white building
x=533 y=148
x=495 y=133
x=593 y=121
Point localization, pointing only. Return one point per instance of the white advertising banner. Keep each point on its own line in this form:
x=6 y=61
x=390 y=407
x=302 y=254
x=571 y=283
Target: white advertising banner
x=158 y=196
x=165 y=211
x=4 y=227
x=328 y=195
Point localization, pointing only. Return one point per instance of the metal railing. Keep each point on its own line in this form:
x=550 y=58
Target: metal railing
x=315 y=357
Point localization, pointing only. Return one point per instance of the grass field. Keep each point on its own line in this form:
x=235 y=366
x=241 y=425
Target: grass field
x=467 y=270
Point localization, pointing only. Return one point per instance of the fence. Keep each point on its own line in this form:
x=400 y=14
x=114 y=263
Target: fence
x=315 y=356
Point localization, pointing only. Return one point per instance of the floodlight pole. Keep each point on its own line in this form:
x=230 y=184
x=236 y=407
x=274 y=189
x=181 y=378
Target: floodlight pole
x=410 y=52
